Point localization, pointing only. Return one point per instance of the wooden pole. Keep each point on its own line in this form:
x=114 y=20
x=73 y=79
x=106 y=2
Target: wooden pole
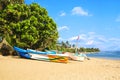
x=77 y=44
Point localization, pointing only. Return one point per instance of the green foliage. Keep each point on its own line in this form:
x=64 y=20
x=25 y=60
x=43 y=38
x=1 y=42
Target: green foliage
x=5 y=3
x=16 y=1
x=66 y=47
x=28 y=26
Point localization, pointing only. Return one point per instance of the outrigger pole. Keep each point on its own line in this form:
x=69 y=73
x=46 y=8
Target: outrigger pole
x=76 y=50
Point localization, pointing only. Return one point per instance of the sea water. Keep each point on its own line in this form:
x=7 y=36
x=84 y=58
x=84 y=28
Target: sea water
x=114 y=55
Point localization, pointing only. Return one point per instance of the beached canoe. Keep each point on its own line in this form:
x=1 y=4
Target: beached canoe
x=40 y=52
x=62 y=58
x=76 y=57
x=50 y=57
x=22 y=52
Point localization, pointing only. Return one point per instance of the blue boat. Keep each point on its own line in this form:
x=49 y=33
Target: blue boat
x=22 y=52
x=40 y=52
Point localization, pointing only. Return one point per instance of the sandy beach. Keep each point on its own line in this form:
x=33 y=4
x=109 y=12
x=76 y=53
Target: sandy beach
x=15 y=68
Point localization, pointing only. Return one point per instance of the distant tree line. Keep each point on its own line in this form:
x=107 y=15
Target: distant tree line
x=67 y=47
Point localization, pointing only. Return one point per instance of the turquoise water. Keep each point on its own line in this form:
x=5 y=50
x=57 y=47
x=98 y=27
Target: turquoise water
x=114 y=55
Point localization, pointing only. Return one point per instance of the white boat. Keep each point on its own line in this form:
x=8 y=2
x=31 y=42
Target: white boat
x=72 y=56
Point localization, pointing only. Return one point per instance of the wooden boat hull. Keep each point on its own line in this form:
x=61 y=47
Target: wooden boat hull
x=75 y=57
x=62 y=58
x=49 y=57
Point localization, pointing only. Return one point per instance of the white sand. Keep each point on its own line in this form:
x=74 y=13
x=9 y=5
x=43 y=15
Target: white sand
x=14 y=68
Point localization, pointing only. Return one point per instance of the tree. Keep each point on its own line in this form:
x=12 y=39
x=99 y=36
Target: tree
x=68 y=44
x=17 y=1
x=82 y=49
x=73 y=45
x=28 y=26
x=4 y=3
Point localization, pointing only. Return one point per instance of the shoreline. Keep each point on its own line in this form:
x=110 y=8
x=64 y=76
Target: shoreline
x=15 y=68
x=106 y=55
x=107 y=58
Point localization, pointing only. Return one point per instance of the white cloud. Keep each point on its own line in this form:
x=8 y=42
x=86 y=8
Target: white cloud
x=62 y=14
x=97 y=41
x=77 y=38
x=82 y=36
x=102 y=39
x=60 y=39
x=80 y=11
x=91 y=33
x=90 y=42
x=118 y=19
x=114 y=39
x=73 y=38
x=63 y=28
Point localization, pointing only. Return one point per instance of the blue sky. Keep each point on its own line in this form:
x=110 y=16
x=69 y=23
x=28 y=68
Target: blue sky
x=96 y=22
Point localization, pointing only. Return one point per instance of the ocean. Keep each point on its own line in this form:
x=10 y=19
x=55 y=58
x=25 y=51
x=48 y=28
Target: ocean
x=114 y=55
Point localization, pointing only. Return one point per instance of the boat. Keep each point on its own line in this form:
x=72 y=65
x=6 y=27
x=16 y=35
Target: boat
x=40 y=52
x=22 y=52
x=61 y=58
x=76 y=57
